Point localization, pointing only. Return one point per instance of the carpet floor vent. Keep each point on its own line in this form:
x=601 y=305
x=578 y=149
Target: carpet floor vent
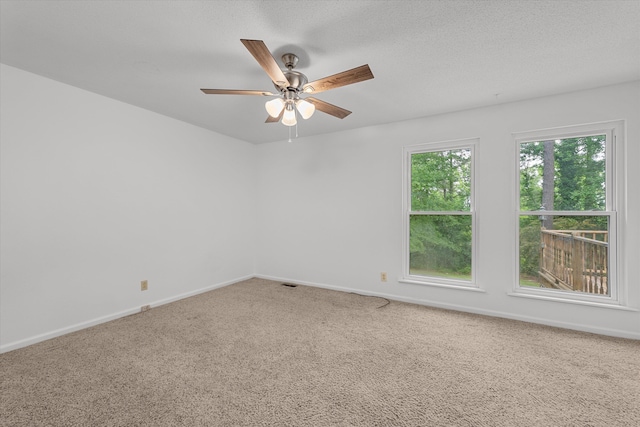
x=289 y=285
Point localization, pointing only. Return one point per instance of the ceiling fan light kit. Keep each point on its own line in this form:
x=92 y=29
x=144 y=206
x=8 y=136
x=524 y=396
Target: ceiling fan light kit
x=274 y=107
x=291 y=84
x=306 y=109
x=289 y=116
x=286 y=102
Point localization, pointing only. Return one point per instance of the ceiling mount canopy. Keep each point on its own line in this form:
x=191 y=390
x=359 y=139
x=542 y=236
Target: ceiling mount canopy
x=290 y=60
x=291 y=84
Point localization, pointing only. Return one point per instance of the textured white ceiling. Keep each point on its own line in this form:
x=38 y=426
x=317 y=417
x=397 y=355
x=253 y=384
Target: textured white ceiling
x=428 y=57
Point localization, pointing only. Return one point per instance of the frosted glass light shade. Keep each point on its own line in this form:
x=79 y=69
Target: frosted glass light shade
x=274 y=107
x=305 y=108
x=289 y=117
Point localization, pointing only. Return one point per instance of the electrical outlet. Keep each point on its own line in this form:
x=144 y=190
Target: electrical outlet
x=383 y=277
x=144 y=285
x=145 y=308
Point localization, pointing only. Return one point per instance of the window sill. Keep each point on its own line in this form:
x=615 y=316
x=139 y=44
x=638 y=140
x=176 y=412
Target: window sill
x=611 y=305
x=463 y=287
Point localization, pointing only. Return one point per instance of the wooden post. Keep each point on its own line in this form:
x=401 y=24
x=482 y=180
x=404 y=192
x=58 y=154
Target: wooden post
x=577 y=263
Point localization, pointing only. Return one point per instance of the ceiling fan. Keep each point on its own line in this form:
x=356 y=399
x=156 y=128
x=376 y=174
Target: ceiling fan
x=292 y=84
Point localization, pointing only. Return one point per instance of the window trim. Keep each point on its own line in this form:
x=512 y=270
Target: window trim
x=407 y=151
x=615 y=207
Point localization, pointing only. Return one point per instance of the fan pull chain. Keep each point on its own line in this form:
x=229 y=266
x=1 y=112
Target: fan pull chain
x=289 y=134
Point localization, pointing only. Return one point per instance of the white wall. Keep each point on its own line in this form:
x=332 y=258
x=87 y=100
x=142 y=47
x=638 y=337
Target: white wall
x=98 y=195
x=330 y=214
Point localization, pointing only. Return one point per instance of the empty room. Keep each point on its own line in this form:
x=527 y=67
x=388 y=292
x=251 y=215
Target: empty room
x=319 y=213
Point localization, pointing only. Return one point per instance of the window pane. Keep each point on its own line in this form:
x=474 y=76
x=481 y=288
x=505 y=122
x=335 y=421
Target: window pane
x=563 y=174
x=441 y=181
x=571 y=255
x=440 y=246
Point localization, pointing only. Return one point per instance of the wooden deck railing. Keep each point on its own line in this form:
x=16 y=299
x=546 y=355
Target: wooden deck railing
x=575 y=260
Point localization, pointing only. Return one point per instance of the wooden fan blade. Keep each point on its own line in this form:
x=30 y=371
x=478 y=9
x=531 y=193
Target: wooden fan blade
x=354 y=75
x=331 y=109
x=259 y=50
x=236 y=92
x=274 y=119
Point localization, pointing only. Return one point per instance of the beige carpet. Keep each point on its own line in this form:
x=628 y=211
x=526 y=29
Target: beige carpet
x=260 y=354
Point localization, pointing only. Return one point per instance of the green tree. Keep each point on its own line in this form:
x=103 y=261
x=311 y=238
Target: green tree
x=531 y=171
x=577 y=170
x=441 y=182
x=580 y=169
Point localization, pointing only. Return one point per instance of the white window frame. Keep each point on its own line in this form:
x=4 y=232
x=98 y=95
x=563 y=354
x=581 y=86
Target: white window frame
x=615 y=200
x=408 y=151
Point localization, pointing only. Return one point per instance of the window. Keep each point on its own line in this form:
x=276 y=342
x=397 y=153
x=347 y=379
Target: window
x=439 y=218
x=567 y=216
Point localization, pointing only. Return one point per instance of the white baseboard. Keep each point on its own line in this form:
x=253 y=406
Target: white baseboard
x=565 y=325
x=82 y=325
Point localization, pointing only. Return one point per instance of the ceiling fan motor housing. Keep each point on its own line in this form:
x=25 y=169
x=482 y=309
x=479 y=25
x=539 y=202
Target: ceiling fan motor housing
x=296 y=79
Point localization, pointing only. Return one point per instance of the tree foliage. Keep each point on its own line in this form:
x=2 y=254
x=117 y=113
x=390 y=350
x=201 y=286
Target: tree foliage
x=578 y=170
x=441 y=182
